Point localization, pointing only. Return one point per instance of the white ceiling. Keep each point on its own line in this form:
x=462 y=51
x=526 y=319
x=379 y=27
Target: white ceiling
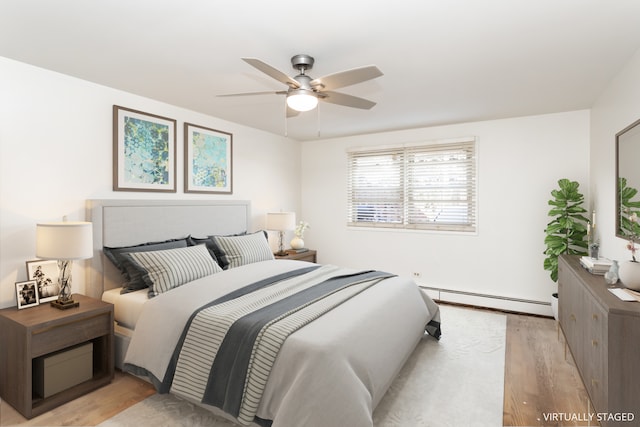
x=444 y=61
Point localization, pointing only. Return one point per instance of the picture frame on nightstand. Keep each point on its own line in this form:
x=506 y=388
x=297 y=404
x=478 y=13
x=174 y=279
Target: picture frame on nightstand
x=27 y=294
x=45 y=273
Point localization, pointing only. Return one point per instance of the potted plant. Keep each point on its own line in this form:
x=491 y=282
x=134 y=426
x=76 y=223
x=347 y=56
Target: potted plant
x=297 y=242
x=567 y=231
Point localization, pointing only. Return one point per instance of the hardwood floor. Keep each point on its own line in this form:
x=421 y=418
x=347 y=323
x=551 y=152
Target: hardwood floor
x=541 y=381
x=89 y=410
x=540 y=378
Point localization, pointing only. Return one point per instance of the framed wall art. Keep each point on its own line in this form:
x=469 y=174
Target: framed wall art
x=208 y=160
x=45 y=273
x=144 y=151
x=27 y=294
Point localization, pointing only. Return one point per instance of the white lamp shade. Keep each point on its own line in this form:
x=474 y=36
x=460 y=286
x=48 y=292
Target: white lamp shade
x=64 y=240
x=281 y=221
x=302 y=100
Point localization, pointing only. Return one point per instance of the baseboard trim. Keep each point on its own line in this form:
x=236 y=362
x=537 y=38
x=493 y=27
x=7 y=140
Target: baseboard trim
x=509 y=304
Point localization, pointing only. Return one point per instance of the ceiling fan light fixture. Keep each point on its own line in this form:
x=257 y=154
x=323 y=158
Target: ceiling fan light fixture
x=302 y=100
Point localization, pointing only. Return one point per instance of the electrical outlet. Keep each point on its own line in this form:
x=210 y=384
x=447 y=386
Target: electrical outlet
x=416 y=274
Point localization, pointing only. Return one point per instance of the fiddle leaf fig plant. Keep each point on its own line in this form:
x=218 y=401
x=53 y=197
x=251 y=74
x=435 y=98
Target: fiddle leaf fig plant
x=566 y=233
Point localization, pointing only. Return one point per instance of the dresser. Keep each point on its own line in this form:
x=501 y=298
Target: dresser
x=603 y=334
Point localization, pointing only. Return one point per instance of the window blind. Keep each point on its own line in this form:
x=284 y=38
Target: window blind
x=424 y=186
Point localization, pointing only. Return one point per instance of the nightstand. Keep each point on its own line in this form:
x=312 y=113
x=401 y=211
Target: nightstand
x=301 y=256
x=33 y=337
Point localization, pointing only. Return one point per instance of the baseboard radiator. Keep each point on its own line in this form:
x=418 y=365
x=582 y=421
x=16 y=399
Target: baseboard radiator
x=518 y=305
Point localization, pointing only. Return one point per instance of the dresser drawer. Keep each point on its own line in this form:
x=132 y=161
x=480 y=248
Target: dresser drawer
x=595 y=351
x=68 y=334
x=571 y=311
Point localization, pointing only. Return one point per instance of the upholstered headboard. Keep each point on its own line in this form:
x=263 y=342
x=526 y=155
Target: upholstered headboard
x=130 y=222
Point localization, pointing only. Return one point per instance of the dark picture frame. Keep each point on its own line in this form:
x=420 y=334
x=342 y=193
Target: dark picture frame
x=27 y=294
x=208 y=160
x=144 y=151
x=45 y=273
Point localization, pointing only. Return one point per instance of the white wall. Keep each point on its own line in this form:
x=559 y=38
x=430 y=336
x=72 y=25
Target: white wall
x=520 y=161
x=55 y=152
x=617 y=108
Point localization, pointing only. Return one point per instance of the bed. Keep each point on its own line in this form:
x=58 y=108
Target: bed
x=324 y=342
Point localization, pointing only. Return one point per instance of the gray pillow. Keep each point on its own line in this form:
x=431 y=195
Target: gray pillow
x=245 y=249
x=210 y=244
x=131 y=272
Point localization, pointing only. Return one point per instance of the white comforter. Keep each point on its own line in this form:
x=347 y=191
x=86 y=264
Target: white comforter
x=332 y=372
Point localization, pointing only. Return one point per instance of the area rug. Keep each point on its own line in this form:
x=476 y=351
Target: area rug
x=457 y=381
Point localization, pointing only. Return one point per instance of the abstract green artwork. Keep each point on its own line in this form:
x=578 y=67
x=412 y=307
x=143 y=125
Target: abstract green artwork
x=144 y=151
x=208 y=160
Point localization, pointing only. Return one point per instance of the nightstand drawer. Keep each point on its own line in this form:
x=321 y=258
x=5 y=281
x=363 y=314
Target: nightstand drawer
x=65 y=335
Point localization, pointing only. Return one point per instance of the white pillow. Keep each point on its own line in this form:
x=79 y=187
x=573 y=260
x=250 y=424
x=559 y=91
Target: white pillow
x=244 y=249
x=171 y=268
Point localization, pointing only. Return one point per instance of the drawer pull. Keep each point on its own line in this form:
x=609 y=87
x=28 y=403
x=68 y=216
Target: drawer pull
x=594 y=343
x=594 y=382
x=572 y=317
x=595 y=316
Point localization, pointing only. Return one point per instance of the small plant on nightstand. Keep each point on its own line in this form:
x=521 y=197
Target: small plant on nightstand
x=298 y=242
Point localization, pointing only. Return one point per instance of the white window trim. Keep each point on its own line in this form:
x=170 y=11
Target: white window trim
x=402 y=218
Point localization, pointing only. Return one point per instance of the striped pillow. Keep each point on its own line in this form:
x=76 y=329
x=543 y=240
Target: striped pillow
x=133 y=274
x=171 y=268
x=244 y=249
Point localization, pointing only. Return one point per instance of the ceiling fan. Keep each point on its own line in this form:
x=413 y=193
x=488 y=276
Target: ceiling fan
x=304 y=92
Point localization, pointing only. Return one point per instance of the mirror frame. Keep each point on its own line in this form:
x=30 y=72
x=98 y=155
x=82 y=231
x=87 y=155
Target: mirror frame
x=619 y=135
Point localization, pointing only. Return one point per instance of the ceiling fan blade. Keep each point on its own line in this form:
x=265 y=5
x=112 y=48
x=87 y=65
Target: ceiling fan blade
x=271 y=92
x=346 y=100
x=272 y=72
x=346 y=78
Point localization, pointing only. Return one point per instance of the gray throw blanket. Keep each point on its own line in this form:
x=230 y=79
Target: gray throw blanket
x=229 y=346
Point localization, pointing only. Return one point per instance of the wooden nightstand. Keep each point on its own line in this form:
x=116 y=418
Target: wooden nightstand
x=302 y=256
x=27 y=336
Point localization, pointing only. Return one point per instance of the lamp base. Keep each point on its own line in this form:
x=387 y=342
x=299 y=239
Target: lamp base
x=281 y=253
x=64 y=305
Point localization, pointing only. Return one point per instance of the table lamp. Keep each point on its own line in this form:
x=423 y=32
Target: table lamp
x=64 y=242
x=281 y=222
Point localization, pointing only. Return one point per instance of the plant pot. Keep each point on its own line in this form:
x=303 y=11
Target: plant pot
x=297 y=243
x=629 y=274
x=554 y=305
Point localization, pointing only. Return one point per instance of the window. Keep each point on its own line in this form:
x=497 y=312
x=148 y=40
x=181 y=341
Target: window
x=430 y=186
